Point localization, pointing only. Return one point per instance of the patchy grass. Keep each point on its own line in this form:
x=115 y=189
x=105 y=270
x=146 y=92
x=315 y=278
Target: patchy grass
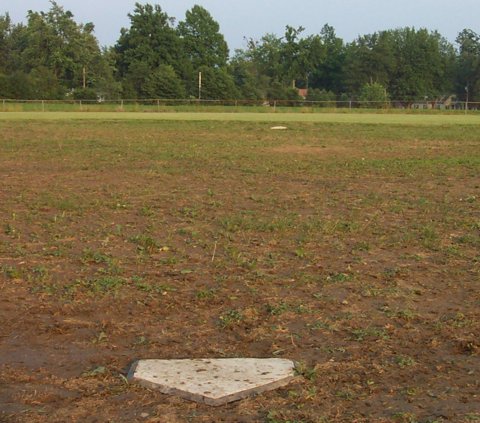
x=349 y=243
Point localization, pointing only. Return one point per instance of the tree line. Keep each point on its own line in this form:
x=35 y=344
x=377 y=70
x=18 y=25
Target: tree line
x=52 y=56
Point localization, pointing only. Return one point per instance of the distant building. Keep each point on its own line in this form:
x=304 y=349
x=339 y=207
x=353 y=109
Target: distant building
x=303 y=92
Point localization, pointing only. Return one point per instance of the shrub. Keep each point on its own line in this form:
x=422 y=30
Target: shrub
x=327 y=98
x=164 y=83
x=373 y=95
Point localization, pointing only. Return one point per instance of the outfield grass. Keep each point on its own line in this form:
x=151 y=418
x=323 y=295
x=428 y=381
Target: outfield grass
x=366 y=118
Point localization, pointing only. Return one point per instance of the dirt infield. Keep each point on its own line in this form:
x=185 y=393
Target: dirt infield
x=353 y=249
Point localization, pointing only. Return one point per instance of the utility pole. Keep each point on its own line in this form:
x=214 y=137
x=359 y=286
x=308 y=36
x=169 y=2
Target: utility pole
x=199 y=85
x=84 y=77
x=466 y=103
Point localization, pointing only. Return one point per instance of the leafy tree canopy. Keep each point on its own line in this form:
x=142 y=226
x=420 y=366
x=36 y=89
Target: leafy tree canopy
x=53 y=56
x=203 y=44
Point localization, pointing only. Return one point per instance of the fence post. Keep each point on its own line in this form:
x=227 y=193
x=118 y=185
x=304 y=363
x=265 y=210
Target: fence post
x=43 y=105
x=274 y=106
x=3 y=105
x=121 y=105
x=158 y=105
x=81 y=108
x=350 y=104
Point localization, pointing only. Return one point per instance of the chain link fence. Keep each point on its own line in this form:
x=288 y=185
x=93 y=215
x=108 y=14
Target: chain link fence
x=191 y=105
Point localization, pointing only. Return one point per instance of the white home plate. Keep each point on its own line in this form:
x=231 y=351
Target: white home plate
x=213 y=381
x=279 y=128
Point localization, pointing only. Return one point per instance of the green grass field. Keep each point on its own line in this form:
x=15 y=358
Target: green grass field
x=323 y=117
x=349 y=243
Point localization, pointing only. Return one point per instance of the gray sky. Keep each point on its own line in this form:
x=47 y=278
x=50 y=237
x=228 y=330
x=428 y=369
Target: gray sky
x=254 y=18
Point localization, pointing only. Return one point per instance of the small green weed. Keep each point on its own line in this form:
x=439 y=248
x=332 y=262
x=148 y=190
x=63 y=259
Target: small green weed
x=402 y=417
x=145 y=243
x=152 y=288
x=206 y=294
x=103 y=284
x=430 y=237
x=10 y=230
x=346 y=395
x=457 y=320
x=323 y=325
x=91 y=256
x=230 y=318
x=308 y=372
x=361 y=335
x=405 y=361
x=361 y=246
x=40 y=273
x=300 y=253
x=96 y=371
x=12 y=272
x=275 y=417
x=411 y=391
x=338 y=277
x=277 y=309
x=146 y=211
x=189 y=212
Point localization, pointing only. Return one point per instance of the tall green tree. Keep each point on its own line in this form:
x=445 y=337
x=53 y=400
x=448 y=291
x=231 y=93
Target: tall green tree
x=280 y=65
x=271 y=64
x=56 y=42
x=370 y=59
x=265 y=56
x=424 y=65
x=14 y=82
x=316 y=52
x=54 y=53
x=151 y=41
x=5 y=39
x=328 y=74
x=217 y=84
x=412 y=64
x=250 y=88
x=203 y=43
x=293 y=55
x=163 y=82
x=468 y=65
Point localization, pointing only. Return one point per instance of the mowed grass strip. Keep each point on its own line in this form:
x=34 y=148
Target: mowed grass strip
x=382 y=118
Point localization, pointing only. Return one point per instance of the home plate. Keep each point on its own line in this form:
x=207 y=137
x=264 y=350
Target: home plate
x=213 y=381
x=279 y=128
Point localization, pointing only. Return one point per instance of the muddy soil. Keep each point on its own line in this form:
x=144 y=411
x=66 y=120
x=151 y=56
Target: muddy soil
x=353 y=250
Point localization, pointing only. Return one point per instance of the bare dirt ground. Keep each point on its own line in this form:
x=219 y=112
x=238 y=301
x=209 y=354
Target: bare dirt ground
x=351 y=249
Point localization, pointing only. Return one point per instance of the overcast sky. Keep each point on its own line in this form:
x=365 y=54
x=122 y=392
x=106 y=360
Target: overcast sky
x=254 y=18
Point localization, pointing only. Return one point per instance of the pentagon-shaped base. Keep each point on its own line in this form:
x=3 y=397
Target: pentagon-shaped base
x=213 y=381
